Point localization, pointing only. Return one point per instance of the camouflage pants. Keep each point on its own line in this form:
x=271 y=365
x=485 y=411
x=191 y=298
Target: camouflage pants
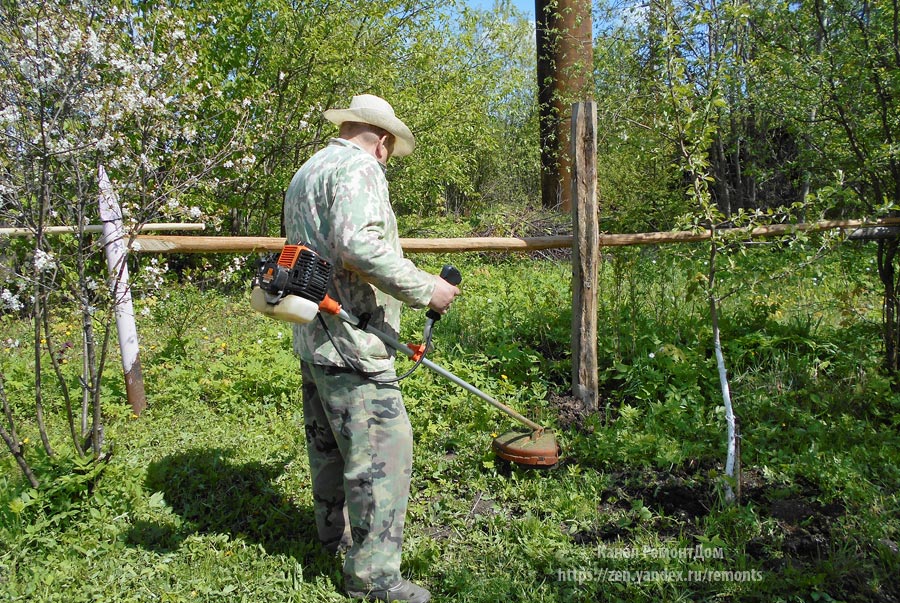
x=359 y=442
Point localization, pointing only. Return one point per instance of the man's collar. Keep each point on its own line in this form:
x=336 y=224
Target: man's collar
x=346 y=143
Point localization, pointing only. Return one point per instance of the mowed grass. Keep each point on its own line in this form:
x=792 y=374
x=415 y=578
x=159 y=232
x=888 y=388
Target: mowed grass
x=206 y=496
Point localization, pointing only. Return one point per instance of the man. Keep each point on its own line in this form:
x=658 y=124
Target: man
x=359 y=438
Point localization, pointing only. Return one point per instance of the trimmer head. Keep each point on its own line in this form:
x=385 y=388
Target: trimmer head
x=531 y=449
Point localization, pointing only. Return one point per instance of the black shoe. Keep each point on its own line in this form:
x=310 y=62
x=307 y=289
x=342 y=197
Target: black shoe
x=402 y=591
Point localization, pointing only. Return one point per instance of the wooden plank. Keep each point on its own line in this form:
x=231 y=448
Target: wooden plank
x=486 y=244
x=195 y=244
x=199 y=244
x=585 y=255
x=774 y=230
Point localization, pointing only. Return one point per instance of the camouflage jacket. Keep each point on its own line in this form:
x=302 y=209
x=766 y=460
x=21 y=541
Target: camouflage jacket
x=338 y=204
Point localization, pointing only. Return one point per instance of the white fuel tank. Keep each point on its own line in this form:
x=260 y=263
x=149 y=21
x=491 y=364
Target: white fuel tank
x=290 y=309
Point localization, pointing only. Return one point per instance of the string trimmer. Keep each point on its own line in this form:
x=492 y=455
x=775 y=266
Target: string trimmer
x=293 y=286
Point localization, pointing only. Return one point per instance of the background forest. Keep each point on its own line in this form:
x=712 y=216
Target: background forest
x=710 y=115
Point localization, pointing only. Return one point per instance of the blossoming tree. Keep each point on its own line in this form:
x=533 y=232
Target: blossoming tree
x=84 y=84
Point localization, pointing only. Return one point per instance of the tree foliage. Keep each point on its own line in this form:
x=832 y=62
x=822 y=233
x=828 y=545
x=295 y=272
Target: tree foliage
x=448 y=73
x=87 y=85
x=799 y=102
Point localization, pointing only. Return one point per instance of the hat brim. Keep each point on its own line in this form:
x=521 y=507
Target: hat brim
x=404 y=140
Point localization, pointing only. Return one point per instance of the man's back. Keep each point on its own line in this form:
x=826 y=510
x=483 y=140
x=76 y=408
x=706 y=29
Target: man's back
x=338 y=203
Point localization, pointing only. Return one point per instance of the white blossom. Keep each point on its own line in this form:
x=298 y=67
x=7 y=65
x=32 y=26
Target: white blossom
x=9 y=114
x=10 y=300
x=94 y=46
x=153 y=273
x=72 y=42
x=43 y=260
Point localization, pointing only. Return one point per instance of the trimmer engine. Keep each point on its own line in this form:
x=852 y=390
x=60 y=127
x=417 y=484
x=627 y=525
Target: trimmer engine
x=297 y=270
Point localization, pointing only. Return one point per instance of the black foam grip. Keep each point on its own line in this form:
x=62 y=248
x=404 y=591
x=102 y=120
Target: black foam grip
x=450 y=274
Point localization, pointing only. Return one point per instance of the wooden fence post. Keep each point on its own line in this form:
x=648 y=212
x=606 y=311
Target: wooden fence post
x=585 y=254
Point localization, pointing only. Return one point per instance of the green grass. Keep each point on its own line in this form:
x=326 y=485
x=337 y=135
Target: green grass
x=207 y=497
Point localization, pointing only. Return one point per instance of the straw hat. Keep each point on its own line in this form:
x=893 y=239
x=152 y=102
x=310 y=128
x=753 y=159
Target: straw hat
x=375 y=111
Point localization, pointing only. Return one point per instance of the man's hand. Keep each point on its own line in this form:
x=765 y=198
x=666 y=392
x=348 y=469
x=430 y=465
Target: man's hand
x=443 y=295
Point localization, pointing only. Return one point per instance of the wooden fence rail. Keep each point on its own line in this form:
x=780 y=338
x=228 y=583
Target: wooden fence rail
x=203 y=244
x=29 y=232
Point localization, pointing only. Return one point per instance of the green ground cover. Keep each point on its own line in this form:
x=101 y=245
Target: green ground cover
x=207 y=498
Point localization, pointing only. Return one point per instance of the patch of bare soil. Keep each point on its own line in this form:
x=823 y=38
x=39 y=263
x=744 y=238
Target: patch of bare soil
x=570 y=410
x=806 y=525
x=807 y=530
x=677 y=500
x=801 y=532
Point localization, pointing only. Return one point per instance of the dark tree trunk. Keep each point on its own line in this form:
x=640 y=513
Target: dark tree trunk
x=887 y=256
